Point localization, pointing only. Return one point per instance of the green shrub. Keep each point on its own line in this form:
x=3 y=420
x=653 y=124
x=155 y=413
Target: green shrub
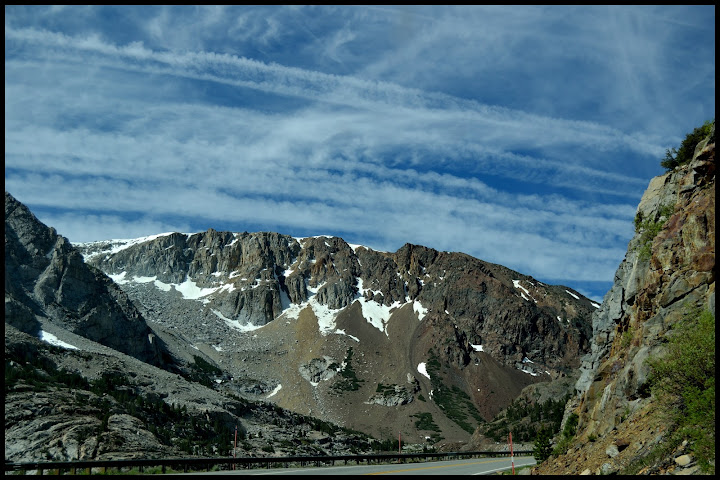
x=348 y=380
x=454 y=402
x=683 y=381
x=648 y=228
x=675 y=157
x=571 y=425
x=425 y=422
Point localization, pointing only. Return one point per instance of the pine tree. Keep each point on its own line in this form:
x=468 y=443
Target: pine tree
x=542 y=449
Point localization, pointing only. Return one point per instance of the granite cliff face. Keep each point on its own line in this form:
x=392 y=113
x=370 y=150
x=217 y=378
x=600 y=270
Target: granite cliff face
x=46 y=280
x=655 y=285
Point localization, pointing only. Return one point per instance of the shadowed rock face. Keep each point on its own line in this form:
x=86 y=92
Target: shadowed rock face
x=46 y=278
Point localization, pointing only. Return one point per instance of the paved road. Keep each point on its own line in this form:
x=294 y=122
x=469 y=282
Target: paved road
x=472 y=466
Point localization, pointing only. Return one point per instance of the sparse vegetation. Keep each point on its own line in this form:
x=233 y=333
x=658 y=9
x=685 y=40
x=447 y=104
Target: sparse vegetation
x=648 y=228
x=110 y=395
x=349 y=380
x=683 y=381
x=201 y=371
x=388 y=445
x=627 y=337
x=525 y=419
x=456 y=404
x=425 y=422
x=675 y=157
x=567 y=435
x=542 y=449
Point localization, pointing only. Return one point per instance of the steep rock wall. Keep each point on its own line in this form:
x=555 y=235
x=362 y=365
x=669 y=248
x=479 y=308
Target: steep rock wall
x=659 y=280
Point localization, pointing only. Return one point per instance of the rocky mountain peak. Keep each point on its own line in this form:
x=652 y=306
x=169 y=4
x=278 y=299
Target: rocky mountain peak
x=253 y=278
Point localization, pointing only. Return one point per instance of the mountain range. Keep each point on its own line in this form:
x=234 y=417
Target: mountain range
x=166 y=345
x=418 y=343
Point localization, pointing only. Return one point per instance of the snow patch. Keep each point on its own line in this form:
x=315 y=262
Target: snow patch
x=53 y=340
x=162 y=286
x=572 y=295
x=122 y=244
x=342 y=332
x=144 y=279
x=190 y=290
x=235 y=324
x=355 y=246
x=119 y=278
x=423 y=370
x=275 y=390
x=477 y=348
x=419 y=310
x=516 y=283
x=376 y=314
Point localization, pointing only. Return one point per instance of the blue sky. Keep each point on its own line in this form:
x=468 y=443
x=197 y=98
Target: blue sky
x=523 y=136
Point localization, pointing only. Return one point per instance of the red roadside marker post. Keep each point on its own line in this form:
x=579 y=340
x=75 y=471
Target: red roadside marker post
x=512 y=460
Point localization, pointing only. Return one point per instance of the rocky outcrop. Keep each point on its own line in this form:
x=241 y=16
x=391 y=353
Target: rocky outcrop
x=46 y=278
x=659 y=280
x=392 y=396
x=252 y=278
x=55 y=411
x=319 y=369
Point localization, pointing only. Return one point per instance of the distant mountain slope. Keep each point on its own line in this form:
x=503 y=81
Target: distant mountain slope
x=317 y=304
x=417 y=342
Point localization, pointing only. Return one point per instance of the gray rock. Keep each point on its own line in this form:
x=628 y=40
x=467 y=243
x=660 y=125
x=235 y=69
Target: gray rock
x=318 y=369
x=392 y=396
x=612 y=451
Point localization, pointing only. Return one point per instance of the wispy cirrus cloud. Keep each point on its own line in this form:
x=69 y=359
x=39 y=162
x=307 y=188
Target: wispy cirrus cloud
x=331 y=120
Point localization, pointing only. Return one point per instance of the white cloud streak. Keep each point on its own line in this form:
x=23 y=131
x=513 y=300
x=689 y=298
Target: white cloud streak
x=123 y=139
